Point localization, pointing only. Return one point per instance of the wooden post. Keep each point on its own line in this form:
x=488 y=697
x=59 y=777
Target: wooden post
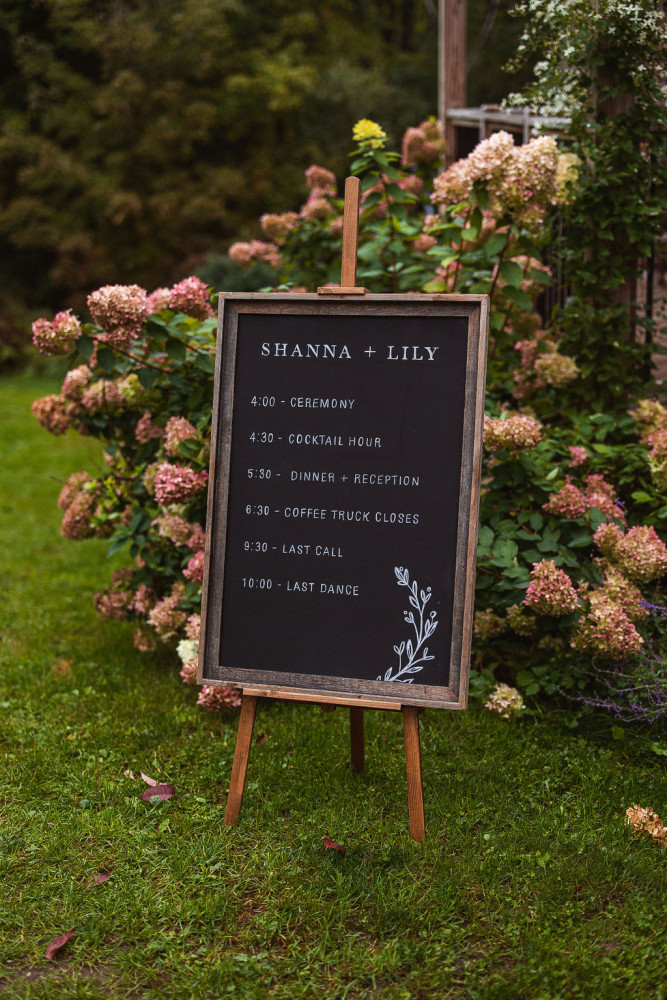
x=348 y=269
x=357 y=752
x=413 y=770
x=241 y=755
x=452 y=67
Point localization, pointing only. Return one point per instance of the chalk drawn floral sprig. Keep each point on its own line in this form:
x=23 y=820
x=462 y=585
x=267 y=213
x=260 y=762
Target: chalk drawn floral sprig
x=415 y=651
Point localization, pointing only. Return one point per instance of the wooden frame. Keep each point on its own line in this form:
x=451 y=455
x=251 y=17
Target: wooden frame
x=315 y=687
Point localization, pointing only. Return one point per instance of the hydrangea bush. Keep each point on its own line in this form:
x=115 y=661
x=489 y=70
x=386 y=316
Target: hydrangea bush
x=573 y=510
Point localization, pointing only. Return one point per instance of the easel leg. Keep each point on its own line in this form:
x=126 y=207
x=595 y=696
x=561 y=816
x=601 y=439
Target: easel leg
x=413 y=770
x=241 y=755
x=357 y=754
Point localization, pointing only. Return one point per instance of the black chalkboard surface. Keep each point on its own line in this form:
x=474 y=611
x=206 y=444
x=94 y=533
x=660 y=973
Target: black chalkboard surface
x=342 y=520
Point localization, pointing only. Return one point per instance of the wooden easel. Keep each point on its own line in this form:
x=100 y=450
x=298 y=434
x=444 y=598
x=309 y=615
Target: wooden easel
x=356 y=705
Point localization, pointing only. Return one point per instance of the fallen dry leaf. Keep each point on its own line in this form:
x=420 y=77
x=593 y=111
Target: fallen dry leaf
x=149 y=781
x=260 y=739
x=100 y=877
x=163 y=792
x=128 y=774
x=57 y=943
x=329 y=843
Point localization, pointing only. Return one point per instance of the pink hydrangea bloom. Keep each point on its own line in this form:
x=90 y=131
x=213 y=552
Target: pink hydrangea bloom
x=72 y=488
x=487 y=162
x=193 y=627
x=245 y=254
x=76 y=520
x=174 y=527
x=191 y=296
x=412 y=184
x=214 y=697
x=571 y=502
x=567 y=502
x=551 y=591
x=641 y=553
x=601 y=494
x=120 y=310
x=195 y=568
x=519 y=620
x=197 y=538
x=515 y=433
x=578 y=455
x=53 y=413
x=157 y=301
x=144 y=599
x=487 y=624
x=607 y=537
x=178 y=429
x=528 y=351
x=76 y=381
x=423 y=144
x=277 y=227
x=57 y=337
x=166 y=617
x=176 y=483
x=114 y=603
x=424 y=242
x=188 y=671
x=316 y=208
x=102 y=396
x=555 y=369
x=623 y=592
x=606 y=630
x=649 y=414
x=146 y=429
x=321 y=182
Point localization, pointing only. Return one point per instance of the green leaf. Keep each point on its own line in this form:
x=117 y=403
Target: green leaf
x=116 y=545
x=511 y=273
x=540 y=276
x=641 y=496
x=496 y=320
x=486 y=536
x=618 y=733
x=147 y=377
x=206 y=363
x=496 y=243
x=536 y=521
x=519 y=298
x=524 y=678
x=85 y=346
x=176 y=350
x=106 y=359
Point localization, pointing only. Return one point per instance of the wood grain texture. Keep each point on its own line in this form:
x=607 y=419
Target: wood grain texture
x=413 y=772
x=333 y=698
x=348 y=271
x=357 y=750
x=453 y=72
x=241 y=756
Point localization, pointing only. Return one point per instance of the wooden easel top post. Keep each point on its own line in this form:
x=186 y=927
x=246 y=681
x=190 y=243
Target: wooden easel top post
x=348 y=270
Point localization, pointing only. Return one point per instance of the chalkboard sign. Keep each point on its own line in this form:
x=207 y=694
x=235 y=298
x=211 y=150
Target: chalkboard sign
x=343 y=495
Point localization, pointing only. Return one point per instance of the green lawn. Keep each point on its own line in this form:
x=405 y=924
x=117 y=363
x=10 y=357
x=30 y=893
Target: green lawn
x=528 y=885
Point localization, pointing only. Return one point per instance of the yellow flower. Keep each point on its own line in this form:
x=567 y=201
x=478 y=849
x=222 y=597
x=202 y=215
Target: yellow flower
x=370 y=133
